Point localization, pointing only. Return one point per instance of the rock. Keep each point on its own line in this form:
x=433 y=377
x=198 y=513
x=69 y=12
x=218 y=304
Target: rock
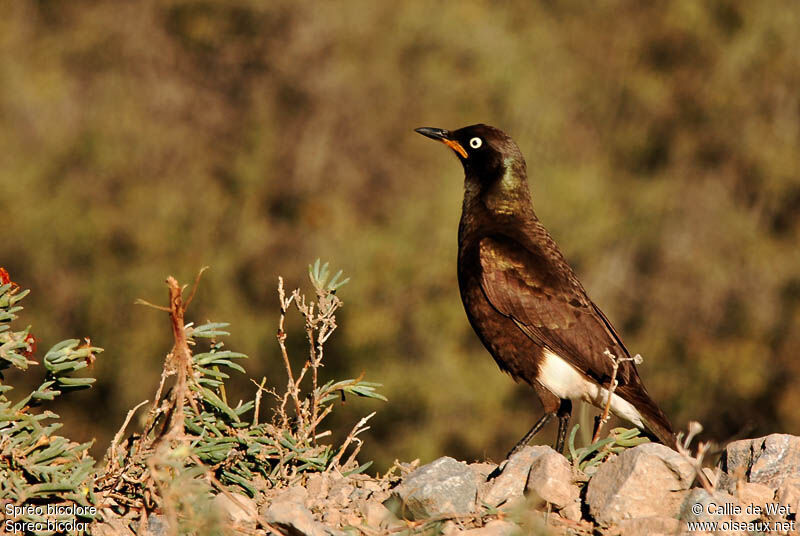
x=646 y=481
x=550 y=479
x=443 y=486
x=372 y=486
x=237 y=508
x=156 y=526
x=341 y=493
x=572 y=511
x=652 y=526
x=353 y=519
x=751 y=493
x=514 y=476
x=318 y=486
x=719 y=506
x=767 y=460
x=296 y=494
x=332 y=517
x=481 y=471
x=498 y=527
x=294 y=518
x=788 y=494
x=377 y=515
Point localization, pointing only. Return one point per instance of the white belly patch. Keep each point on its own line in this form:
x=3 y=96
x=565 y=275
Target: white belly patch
x=564 y=381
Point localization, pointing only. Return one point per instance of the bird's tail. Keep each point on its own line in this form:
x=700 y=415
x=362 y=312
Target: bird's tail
x=656 y=423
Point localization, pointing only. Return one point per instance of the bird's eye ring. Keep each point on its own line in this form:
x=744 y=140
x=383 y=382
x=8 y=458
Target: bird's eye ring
x=475 y=143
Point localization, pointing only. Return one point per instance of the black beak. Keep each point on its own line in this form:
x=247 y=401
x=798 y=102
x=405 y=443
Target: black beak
x=444 y=136
x=439 y=134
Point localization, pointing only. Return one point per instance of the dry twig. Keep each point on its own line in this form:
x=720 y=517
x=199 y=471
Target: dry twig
x=684 y=449
x=612 y=386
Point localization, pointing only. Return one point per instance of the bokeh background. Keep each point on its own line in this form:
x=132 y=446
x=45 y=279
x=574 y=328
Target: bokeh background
x=141 y=139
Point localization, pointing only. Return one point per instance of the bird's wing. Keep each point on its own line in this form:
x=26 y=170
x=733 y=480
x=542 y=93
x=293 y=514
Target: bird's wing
x=534 y=286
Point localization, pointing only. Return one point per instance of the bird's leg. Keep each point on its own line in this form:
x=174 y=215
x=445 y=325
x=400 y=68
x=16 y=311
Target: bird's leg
x=564 y=413
x=552 y=406
x=532 y=432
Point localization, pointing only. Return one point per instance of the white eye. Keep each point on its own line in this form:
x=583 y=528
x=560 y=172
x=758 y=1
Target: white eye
x=475 y=142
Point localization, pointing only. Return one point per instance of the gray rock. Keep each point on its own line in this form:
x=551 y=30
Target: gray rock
x=481 y=472
x=767 y=460
x=514 y=476
x=652 y=526
x=443 y=486
x=294 y=518
x=157 y=525
x=645 y=481
x=718 y=506
x=550 y=479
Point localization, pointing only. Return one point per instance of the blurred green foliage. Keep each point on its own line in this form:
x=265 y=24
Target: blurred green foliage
x=145 y=138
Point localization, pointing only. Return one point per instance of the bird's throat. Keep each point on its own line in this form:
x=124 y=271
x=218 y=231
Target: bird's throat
x=504 y=195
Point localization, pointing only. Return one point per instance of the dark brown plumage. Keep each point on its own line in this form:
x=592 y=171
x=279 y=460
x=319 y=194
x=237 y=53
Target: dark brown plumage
x=523 y=299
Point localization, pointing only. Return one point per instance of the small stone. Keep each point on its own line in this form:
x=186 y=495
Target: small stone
x=443 y=486
x=767 y=460
x=514 y=475
x=332 y=517
x=156 y=526
x=572 y=511
x=294 y=518
x=318 y=486
x=550 y=479
x=340 y=493
x=353 y=519
x=377 y=515
x=645 y=481
x=498 y=527
x=296 y=494
x=237 y=508
x=652 y=526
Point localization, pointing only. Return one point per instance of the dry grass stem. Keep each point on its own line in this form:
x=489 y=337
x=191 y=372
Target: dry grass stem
x=612 y=386
x=352 y=436
x=683 y=446
x=112 y=456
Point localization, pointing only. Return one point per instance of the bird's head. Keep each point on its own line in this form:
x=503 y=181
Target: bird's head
x=494 y=167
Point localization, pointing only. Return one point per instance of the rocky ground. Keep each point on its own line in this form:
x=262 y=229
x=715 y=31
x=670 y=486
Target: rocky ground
x=646 y=490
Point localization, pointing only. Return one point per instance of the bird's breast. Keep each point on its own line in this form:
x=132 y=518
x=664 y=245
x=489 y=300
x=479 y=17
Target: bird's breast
x=513 y=351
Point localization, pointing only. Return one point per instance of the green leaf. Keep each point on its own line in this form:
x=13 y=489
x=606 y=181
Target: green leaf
x=359 y=469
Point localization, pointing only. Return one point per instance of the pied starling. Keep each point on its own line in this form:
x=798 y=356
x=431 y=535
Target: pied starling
x=525 y=302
